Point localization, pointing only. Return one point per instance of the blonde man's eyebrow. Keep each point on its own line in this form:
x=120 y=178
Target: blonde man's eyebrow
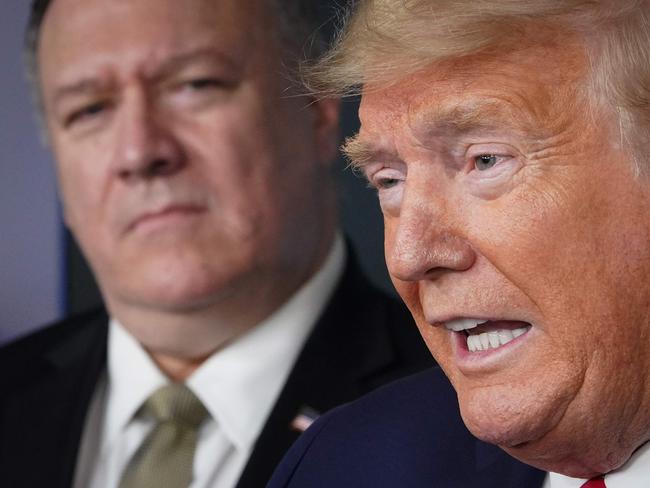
x=471 y=115
x=462 y=117
x=357 y=152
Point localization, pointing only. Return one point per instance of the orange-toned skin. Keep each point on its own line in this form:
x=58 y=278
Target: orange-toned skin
x=556 y=234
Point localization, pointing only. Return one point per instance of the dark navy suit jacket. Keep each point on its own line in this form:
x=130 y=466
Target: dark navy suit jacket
x=406 y=435
x=363 y=339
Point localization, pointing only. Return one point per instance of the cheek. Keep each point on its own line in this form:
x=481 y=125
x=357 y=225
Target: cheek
x=390 y=252
x=249 y=201
x=408 y=292
x=435 y=337
x=78 y=192
x=438 y=343
x=83 y=171
x=542 y=242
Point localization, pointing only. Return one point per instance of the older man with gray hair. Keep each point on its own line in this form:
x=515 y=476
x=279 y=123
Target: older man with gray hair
x=508 y=143
x=197 y=178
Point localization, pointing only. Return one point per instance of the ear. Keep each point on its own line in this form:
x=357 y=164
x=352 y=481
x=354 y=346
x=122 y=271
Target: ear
x=327 y=127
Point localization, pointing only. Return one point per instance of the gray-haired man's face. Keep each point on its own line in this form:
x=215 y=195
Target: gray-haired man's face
x=189 y=173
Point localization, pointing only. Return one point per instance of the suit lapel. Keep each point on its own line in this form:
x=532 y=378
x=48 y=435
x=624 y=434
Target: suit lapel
x=493 y=465
x=43 y=416
x=342 y=359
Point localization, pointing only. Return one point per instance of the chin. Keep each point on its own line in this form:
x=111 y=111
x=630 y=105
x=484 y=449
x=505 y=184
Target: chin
x=503 y=428
x=186 y=294
x=508 y=415
x=177 y=301
x=529 y=426
x=575 y=454
x=174 y=288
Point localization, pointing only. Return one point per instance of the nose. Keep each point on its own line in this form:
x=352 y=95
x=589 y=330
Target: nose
x=146 y=146
x=423 y=244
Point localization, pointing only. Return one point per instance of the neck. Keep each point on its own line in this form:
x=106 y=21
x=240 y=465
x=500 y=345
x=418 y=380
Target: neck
x=180 y=339
x=177 y=369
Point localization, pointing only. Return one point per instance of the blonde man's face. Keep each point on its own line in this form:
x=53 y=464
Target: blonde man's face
x=510 y=206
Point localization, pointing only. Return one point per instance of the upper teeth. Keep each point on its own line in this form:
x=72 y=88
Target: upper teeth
x=493 y=339
x=486 y=340
x=463 y=324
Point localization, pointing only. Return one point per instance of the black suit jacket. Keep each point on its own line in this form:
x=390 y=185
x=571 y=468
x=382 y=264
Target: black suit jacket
x=405 y=435
x=362 y=340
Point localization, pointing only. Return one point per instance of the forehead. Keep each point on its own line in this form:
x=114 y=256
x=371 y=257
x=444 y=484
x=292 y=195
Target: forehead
x=520 y=86
x=89 y=31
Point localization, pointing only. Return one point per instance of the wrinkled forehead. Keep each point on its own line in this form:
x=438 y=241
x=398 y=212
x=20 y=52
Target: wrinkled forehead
x=514 y=84
x=69 y=24
x=82 y=38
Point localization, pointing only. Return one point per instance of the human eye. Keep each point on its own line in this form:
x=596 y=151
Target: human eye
x=202 y=83
x=85 y=112
x=383 y=183
x=196 y=90
x=484 y=162
x=491 y=167
x=388 y=183
x=384 y=179
x=200 y=79
x=488 y=159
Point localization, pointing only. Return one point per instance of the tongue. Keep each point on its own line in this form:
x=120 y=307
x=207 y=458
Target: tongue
x=497 y=325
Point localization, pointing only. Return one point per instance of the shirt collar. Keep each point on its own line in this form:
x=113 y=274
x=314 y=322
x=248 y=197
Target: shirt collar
x=634 y=473
x=240 y=383
x=132 y=378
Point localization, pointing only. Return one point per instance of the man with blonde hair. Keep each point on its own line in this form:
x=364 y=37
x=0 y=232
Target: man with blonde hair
x=508 y=143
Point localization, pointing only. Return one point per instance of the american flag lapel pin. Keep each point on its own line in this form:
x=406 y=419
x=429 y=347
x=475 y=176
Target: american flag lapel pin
x=306 y=416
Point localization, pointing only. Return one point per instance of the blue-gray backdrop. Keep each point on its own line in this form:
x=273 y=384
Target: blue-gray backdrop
x=30 y=244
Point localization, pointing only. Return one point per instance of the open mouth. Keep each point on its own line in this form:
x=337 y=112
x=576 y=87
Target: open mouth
x=483 y=335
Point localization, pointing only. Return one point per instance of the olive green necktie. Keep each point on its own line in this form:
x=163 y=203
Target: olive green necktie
x=165 y=458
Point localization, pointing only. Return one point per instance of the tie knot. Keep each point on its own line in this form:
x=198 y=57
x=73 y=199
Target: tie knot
x=175 y=403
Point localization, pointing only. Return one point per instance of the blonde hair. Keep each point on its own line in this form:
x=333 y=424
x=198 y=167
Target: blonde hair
x=385 y=40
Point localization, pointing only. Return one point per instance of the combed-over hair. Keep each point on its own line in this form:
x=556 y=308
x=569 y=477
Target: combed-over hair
x=384 y=40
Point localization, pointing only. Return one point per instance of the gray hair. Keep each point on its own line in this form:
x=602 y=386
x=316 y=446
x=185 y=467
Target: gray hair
x=300 y=27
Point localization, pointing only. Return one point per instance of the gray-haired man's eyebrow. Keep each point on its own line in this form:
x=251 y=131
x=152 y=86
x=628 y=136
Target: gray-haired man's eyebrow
x=176 y=62
x=206 y=54
x=77 y=88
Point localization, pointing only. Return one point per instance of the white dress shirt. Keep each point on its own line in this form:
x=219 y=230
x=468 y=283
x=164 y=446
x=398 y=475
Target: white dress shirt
x=238 y=386
x=633 y=474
